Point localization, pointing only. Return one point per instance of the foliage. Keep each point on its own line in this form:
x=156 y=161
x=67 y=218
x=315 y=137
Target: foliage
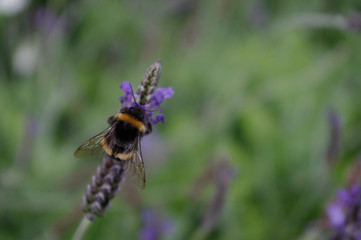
x=254 y=84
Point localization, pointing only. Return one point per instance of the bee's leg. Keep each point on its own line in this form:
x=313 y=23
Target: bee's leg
x=149 y=128
x=111 y=120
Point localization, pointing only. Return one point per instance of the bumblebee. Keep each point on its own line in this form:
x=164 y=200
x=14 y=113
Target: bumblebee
x=121 y=140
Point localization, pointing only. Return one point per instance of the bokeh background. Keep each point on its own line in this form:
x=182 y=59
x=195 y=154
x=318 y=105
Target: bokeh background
x=264 y=126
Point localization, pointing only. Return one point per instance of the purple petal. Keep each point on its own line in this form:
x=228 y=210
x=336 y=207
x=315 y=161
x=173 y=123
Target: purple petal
x=156 y=119
x=127 y=89
x=122 y=100
x=159 y=95
x=154 y=227
x=336 y=215
x=344 y=197
x=167 y=92
x=148 y=234
x=354 y=191
x=149 y=217
x=167 y=227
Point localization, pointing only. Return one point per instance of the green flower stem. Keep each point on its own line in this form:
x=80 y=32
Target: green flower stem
x=83 y=226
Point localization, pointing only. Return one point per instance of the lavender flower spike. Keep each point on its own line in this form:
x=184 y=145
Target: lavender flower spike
x=149 y=83
x=105 y=184
x=345 y=214
x=147 y=95
x=154 y=227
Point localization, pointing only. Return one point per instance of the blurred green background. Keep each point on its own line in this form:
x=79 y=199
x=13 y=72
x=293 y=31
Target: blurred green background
x=267 y=90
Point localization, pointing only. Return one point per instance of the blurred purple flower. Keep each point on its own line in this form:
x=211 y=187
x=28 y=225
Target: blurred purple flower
x=153 y=226
x=334 y=144
x=336 y=215
x=27 y=143
x=257 y=14
x=48 y=22
x=154 y=104
x=345 y=214
x=222 y=176
x=354 y=21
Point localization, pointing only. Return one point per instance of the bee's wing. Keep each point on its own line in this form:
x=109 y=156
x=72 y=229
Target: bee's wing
x=136 y=167
x=93 y=146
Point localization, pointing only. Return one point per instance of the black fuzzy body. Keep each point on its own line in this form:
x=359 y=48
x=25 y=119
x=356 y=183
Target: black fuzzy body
x=122 y=139
x=124 y=135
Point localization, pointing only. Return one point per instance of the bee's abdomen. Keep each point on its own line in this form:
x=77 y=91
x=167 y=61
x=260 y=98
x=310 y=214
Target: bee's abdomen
x=125 y=132
x=120 y=143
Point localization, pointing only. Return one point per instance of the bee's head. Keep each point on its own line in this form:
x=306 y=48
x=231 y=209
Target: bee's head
x=136 y=112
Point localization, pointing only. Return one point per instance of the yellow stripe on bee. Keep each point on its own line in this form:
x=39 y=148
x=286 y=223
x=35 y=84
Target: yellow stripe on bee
x=130 y=119
x=106 y=147
x=124 y=156
x=109 y=152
